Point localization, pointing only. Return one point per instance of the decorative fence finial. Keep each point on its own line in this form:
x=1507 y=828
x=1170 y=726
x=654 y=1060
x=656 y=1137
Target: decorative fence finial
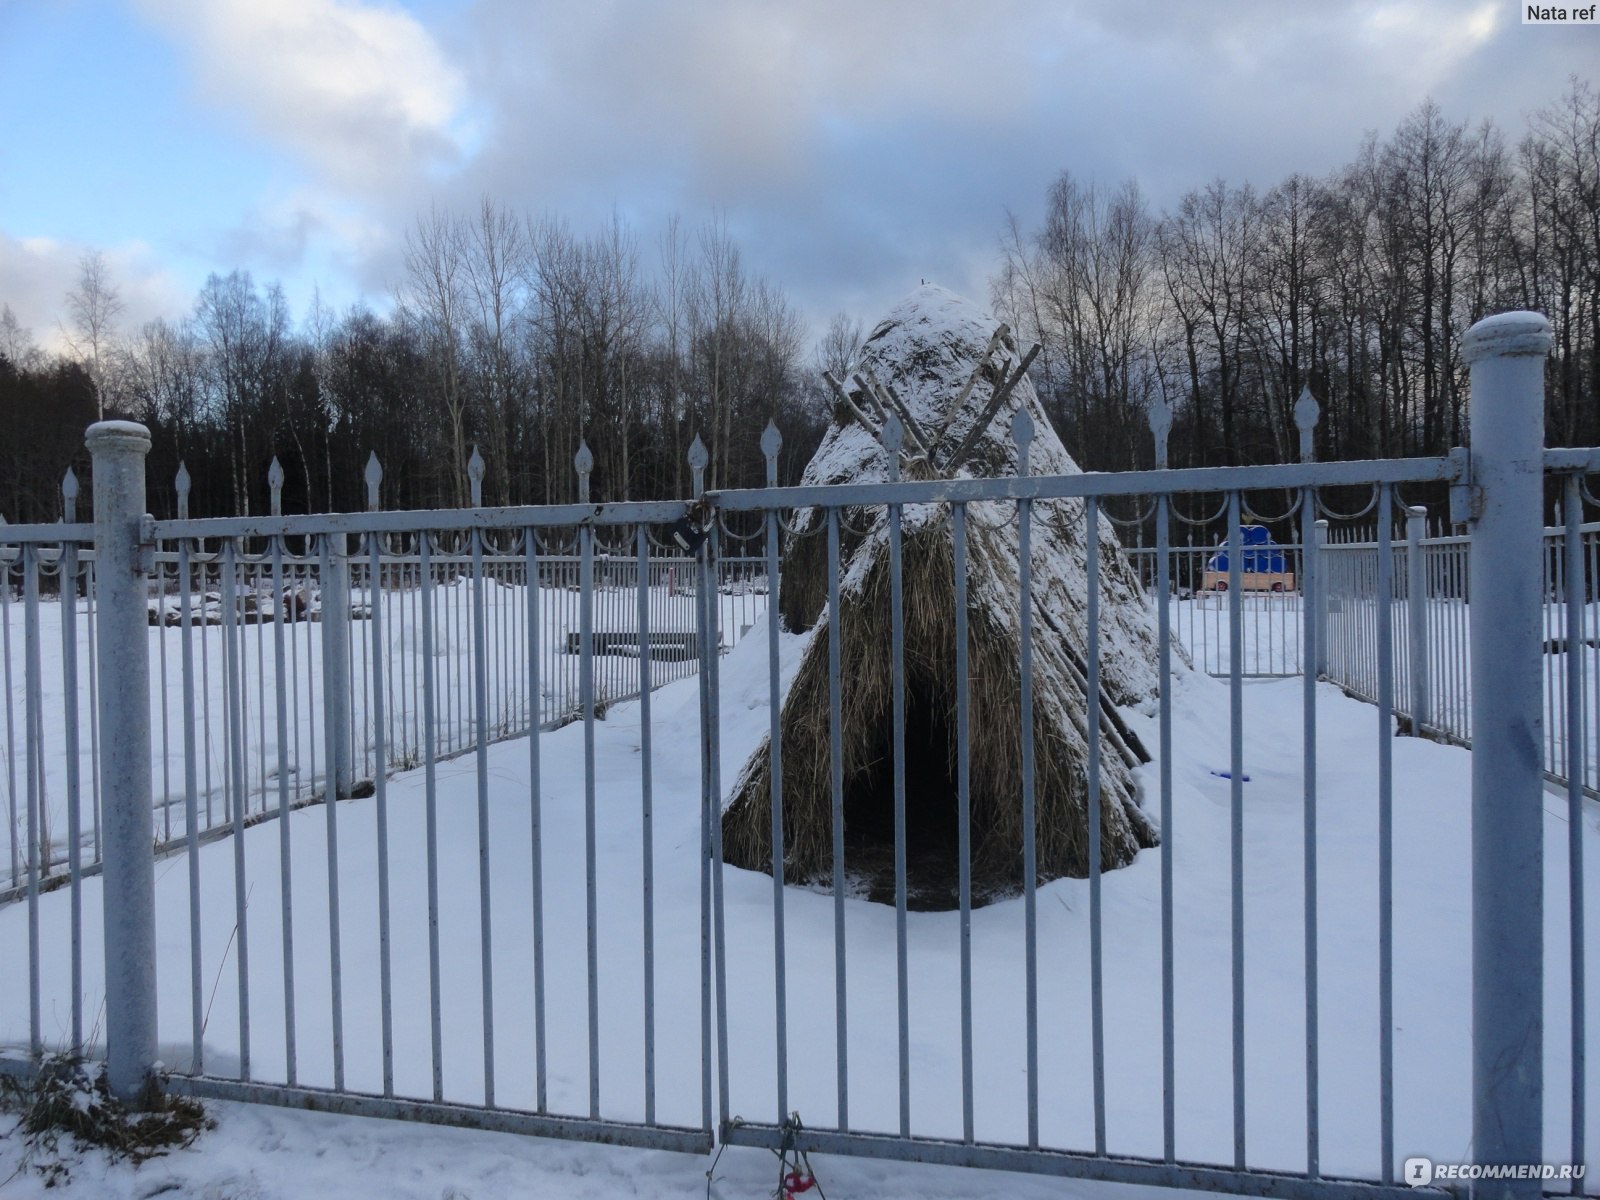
x=1160 y=418
x=583 y=460
x=275 y=482
x=771 y=442
x=69 y=496
x=892 y=437
x=699 y=456
x=1022 y=432
x=181 y=483
x=1307 y=412
x=475 y=473
x=374 y=478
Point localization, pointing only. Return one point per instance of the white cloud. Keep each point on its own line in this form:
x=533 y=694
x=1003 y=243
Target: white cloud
x=37 y=273
x=360 y=91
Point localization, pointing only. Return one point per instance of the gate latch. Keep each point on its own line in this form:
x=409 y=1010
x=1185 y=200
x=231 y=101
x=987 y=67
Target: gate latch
x=689 y=531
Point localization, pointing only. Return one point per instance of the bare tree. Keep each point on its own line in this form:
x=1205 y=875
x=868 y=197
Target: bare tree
x=496 y=267
x=94 y=306
x=16 y=342
x=435 y=298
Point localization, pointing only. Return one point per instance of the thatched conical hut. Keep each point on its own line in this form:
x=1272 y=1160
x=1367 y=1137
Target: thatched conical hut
x=959 y=376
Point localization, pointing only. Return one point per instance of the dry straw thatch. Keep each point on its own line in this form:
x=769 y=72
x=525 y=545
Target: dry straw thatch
x=926 y=351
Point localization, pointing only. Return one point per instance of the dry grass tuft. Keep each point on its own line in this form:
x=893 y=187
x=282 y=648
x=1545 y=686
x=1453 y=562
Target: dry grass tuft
x=66 y=1107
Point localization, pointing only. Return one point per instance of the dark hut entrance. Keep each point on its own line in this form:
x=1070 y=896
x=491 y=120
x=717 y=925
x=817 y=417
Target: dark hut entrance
x=933 y=852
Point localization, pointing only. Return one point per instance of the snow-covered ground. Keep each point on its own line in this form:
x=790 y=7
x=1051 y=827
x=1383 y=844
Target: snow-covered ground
x=399 y=646
x=272 y=1153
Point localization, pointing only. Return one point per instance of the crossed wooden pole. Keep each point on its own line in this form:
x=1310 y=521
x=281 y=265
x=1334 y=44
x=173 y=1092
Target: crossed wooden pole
x=878 y=399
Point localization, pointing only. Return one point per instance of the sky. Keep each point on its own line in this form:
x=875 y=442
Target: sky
x=853 y=147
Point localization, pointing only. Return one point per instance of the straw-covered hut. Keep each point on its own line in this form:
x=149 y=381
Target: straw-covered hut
x=958 y=377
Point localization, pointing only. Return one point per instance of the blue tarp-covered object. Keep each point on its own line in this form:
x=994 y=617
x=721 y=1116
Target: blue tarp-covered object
x=1260 y=555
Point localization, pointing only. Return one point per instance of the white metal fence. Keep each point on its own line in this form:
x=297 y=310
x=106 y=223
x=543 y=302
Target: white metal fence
x=513 y=946
x=1352 y=565
x=239 y=621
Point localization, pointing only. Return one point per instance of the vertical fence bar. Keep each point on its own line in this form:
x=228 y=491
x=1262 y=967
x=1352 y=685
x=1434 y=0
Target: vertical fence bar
x=1385 y=631
x=1576 y=754
x=33 y=732
x=1592 y=556
x=1319 y=546
x=233 y=686
x=584 y=462
x=535 y=673
x=91 y=624
x=67 y=594
x=897 y=644
x=712 y=883
x=770 y=444
x=1419 y=655
x=1236 y=812
x=1506 y=357
x=480 y=705
x=1164 y=734
x=1313 y=589
x=335 y=729
x=11 y=729
x=191 y=800
x=380 y=794
x=118 y=449
x=1022 y=432
x=336 y=697
x=647 y=829
x=430 y=788
x=1097 y=1018
x=836 y=788
x=958 y=517
x=285 y=861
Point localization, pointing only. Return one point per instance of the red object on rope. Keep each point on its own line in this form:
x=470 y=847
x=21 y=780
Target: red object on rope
x=794 y=1183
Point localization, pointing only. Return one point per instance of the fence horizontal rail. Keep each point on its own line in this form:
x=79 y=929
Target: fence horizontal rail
x=1449 y=469
x=1584 y=461
x=48 y=534
x=649 y=512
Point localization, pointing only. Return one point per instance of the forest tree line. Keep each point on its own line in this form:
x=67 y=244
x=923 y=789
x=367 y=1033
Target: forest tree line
x=514 y=333
x=1358 y=286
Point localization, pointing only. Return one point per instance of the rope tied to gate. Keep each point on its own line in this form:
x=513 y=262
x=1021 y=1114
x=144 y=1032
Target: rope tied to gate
x=795 y=1176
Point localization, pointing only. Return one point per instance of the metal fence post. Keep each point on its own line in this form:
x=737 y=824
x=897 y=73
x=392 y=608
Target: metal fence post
x=1419 y=654
x=1506 y=354
x=122 y=645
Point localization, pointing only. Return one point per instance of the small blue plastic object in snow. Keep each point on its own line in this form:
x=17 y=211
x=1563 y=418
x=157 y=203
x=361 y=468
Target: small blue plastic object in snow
x=1259 y=554
x=1226 y=775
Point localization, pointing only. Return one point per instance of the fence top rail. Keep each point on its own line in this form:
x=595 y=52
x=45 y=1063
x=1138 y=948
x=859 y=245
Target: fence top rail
x=1458 y=539
x=1098 y=484
x=538 y=516
x=52 y=534
x=1573 y=458
x=498 y=558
